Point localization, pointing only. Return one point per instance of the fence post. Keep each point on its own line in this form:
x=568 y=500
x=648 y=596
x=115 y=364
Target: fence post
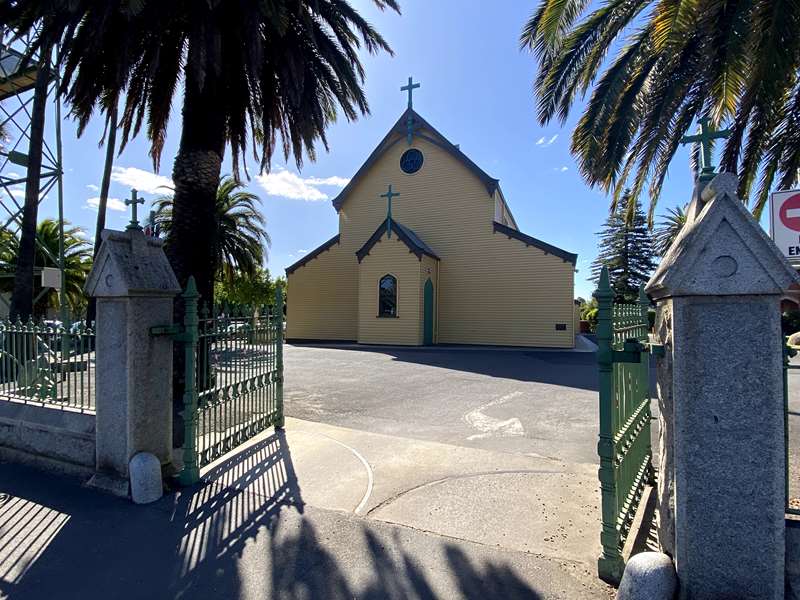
x=191 y=471
x=280 y=422
x=610 y=564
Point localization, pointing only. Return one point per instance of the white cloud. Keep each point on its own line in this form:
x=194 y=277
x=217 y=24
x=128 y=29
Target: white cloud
x=301 y=251
x=543 y=142
x=286 y=184
x=143 y=181
x=334 y=181
x=92 y=187
x=113 y=204
x=562 y=169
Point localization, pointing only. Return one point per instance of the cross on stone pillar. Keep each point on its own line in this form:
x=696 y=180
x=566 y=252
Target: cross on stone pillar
x=706 y=135
x=134 y=224
x=389 y=195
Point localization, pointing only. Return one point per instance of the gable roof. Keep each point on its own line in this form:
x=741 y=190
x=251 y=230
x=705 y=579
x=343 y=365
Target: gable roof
x=404 y=234
x=437 y=139
x=532 y=241
x=312 y=255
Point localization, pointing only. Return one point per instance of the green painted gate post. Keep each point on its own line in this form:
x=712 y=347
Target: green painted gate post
x=191 y=470
x=280 y=422
x=644 y=305
x=610 y=564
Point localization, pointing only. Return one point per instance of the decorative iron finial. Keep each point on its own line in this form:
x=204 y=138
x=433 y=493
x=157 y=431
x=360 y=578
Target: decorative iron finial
x=134 y=224
x=389 y=195
x=704 y=137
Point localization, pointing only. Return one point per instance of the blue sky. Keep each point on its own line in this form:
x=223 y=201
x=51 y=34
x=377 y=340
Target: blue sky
x=476 y=90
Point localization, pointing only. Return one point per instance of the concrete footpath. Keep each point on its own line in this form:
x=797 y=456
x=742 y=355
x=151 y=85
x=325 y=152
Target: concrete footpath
x=315 y=511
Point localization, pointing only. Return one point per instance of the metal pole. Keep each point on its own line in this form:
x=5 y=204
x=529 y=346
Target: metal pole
x=191 y=470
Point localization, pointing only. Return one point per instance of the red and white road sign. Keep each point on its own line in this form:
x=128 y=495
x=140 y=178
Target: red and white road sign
x=784 y=223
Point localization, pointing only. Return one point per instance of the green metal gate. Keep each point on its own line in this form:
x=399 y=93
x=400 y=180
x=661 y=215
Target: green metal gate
x=624 y=446
x=234 y=379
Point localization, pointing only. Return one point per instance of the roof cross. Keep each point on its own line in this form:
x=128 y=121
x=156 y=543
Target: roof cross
x=410 y=89
x=389 y=195
x=134 y=224
x=704 y=137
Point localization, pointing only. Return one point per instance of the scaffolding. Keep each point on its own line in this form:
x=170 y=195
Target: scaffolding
x=19 y=72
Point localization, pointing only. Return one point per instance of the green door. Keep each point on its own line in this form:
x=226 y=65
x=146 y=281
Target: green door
x=427 y=322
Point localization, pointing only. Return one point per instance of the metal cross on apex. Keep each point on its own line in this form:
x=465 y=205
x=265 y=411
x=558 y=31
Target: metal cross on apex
x=389 y=195
x=410 y=89
x=704 y=137
x=134 y=224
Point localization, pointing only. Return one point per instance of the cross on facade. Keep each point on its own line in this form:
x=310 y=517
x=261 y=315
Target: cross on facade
x=410 y=89
x=706 y=135
x=389 y=195
x=134 y=224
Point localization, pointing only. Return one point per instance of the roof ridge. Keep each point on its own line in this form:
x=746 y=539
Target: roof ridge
x=405 y=234
x=537 y=243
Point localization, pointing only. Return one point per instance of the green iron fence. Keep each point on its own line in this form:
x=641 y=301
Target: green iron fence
x=792 y=495
x=624 y=444
x=48 y=364
x=234 y=375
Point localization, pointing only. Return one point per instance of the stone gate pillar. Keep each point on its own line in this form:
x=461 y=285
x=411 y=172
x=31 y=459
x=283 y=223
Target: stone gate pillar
x=134 y=286
x=720 y=385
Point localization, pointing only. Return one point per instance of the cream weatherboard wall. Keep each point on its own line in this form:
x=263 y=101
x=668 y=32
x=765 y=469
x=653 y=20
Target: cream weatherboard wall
x=322 y=298
x=490 y=289
x=390 y=257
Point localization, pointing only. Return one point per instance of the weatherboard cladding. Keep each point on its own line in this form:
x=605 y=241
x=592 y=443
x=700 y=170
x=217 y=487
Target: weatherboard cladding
x=532 y=241
x=406 y=235
x=313 y=254
x=438 y=140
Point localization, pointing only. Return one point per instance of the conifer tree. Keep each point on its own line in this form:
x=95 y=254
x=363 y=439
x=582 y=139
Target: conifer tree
x=626 y=248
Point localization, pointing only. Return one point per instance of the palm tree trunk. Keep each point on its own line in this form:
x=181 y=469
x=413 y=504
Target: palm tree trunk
x=22 y=297
x=192 y=240
x=111 y=143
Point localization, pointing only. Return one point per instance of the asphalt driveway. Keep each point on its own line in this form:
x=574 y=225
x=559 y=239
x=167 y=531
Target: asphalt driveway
x=532 y=402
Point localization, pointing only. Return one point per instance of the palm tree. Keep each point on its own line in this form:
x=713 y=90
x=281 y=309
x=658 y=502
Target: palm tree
x=242 y=241
x=77 y=263
x=105 y=183
x=676 y=61
x=669 y=228
x=269 y=73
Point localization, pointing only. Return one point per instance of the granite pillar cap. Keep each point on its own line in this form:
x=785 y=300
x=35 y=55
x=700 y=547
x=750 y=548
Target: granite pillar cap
x=723 y=251
x=129 y=264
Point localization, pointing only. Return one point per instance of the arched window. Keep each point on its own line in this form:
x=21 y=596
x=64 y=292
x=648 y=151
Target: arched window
x=387 y=296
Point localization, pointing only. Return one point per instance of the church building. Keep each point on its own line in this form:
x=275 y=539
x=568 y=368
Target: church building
x=428 y=252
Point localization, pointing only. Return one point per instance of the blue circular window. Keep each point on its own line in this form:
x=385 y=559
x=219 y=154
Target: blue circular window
x=411 y=161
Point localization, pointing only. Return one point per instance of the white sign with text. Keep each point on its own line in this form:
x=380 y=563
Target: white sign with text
x=784 y=223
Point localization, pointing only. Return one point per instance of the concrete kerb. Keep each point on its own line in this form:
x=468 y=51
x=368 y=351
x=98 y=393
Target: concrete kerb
x=582 y=345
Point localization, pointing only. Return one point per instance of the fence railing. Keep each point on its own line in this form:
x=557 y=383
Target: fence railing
x=233 y=376
x=48 y=364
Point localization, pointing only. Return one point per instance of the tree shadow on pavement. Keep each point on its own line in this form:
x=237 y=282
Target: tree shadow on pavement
x=245 y=532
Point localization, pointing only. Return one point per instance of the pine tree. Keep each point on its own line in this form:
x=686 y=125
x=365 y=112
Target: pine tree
x=626 y=248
